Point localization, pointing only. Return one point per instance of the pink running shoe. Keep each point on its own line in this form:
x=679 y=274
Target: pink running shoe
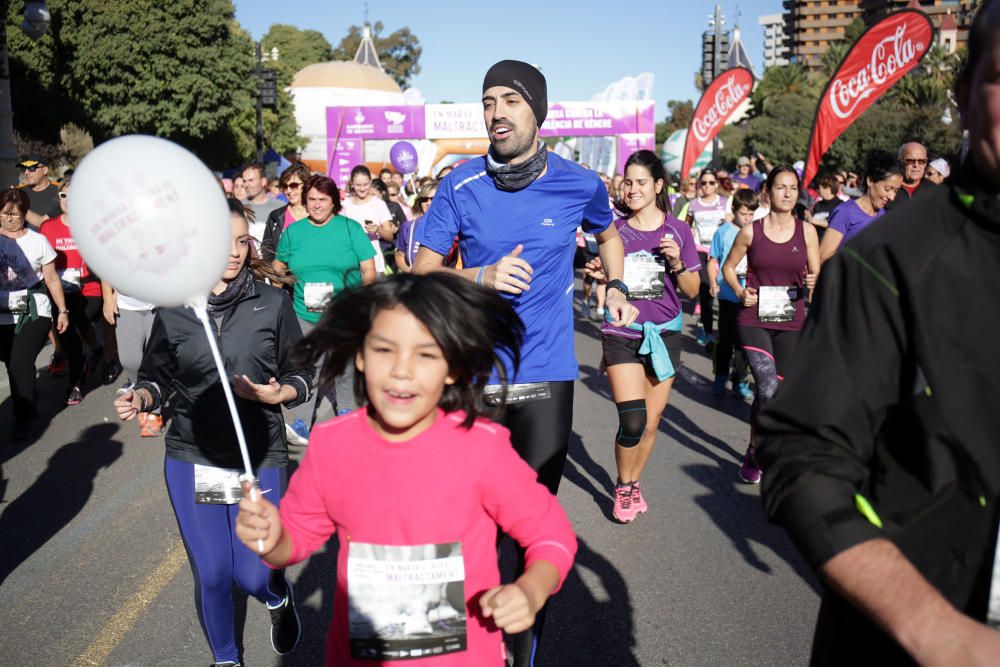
x=623 y=510
x=638 y=502
x=750 y=471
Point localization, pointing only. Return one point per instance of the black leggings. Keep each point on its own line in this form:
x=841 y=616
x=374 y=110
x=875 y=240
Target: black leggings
x=726 y=349
x=72 y=340
x=768 y=352
x=705 y=298
x=18 y=352
x=539 y=431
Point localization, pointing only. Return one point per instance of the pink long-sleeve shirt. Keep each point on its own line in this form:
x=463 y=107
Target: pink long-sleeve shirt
x=417 y=523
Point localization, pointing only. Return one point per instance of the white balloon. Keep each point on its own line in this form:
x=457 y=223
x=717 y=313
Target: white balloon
x=151 y=219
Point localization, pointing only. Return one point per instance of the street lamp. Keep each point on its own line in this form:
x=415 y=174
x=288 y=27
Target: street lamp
x=36 y=23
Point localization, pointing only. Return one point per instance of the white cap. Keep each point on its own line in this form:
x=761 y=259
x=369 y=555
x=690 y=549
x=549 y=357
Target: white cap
x=941 y=166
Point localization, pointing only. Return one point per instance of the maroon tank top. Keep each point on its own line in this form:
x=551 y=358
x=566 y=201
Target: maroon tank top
x=771 y=265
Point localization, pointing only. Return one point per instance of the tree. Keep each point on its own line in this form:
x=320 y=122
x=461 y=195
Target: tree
x=178 y=70
x=781 y=130
x=296 y=49
x=681 y=113
x=781 y=81
x=398 y=52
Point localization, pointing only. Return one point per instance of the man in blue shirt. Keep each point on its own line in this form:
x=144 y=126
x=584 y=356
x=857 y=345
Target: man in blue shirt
x=515 y=212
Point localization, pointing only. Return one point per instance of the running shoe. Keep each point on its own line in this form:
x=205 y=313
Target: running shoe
x=343 y=411
x=285 y=626
x=703 y=338
x=719 y=386
x=124 y=389
x=598 y=315
x=750 y=471
x=227 y=663
x=111 y=370
x=623 y=510
x=743 y=390
x=585 y=311
x=150 y=425
x=297 y=433
x=57 y=365
x=638 y=502
x=74 y=396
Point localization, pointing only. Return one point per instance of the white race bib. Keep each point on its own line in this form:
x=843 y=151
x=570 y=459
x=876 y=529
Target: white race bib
x=16 y=303
x=706 y=222
x=775 y=303
x=216 y=486
x=71 y=277
x=644 y=275
x=316 y=296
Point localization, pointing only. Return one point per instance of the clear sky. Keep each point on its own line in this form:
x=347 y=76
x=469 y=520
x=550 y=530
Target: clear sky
x=581 y=45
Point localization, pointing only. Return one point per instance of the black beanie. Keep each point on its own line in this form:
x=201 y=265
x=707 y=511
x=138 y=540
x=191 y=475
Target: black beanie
x=526 y=80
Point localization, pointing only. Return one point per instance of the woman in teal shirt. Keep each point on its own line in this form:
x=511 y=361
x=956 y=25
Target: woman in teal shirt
x=326 y=253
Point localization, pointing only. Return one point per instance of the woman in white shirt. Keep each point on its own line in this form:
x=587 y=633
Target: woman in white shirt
x=369 y=210
x=27 y=268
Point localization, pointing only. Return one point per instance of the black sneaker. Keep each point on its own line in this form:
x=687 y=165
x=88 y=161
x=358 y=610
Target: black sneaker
x=228 y=663
x=74 y=396
x=285 y=627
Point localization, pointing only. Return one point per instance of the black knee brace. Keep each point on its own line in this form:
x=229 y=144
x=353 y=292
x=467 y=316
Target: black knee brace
x=631 y=422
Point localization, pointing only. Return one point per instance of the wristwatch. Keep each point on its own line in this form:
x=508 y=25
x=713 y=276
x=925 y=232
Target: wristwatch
x=618 y=285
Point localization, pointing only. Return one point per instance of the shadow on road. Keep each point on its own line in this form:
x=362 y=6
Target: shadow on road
x=590 y=625
x=579 y=461
x=56 y=497
x=317 y=580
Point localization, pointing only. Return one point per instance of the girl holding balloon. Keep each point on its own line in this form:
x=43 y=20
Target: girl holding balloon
x=256 y=329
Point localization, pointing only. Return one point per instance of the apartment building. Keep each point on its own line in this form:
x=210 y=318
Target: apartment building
x=775 y=48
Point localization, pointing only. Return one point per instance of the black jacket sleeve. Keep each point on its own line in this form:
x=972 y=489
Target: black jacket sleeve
x=288 y=334
x=816 y=438
x=272 y=233
x=158 y=366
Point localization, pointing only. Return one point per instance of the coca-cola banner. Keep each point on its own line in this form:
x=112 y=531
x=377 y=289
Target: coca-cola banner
x=719 y=101
x=881 y=56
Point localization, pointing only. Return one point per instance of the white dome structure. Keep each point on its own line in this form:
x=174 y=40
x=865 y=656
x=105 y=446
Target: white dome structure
x=339 y=83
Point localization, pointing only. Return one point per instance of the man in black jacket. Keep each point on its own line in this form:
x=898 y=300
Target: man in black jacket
x=881 y=446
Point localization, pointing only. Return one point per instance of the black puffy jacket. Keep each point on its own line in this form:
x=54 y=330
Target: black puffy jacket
x=255 y=338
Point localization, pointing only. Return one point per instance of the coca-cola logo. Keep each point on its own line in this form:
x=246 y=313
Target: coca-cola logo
x=727 y=98
x=889 y=57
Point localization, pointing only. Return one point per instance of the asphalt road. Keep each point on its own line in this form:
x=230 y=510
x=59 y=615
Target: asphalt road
x=92 y=571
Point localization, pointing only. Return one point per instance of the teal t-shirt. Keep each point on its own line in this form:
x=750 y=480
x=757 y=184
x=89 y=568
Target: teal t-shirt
x=722 y=243
x=324 y=261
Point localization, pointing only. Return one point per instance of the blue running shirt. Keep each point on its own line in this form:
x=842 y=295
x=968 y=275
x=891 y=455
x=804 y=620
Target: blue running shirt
x=543 y=217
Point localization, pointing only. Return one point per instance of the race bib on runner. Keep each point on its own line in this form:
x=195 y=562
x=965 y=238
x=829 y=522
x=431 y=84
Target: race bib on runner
x=16 y=303
x=706 y=222
x=71 y=277
x=405 y=602
x=644 y=274
x=316 y=296
x=216 y=486
x=776 y=303
x=517 y=393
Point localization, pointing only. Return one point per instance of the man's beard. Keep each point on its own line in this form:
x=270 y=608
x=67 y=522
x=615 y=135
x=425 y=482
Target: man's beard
x=516 y=145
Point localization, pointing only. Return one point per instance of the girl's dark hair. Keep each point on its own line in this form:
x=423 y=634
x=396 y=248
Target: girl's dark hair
x=475 y=327
x=648 y=160
x=259 y=268
x=325 y=185
x=18 y=197
x=381 y=188
x=362 y=170
x=778 y=171
x=880 y=165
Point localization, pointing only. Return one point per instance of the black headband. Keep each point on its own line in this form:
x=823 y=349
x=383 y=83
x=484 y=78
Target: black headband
x=523 y=78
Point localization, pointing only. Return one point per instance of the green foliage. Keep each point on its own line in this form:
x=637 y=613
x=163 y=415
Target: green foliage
x=681 y=113
x=781 y=130
x=175 y=69
x=296 y=49
x=779 y=82
x=398 y=52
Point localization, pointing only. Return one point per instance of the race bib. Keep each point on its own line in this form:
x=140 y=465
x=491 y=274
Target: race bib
x=405 y=602
x=517 y=393
x=776 y=303
x=316 y=296
x=216 y=486
x=644 y=275
x=590 y=241
x=71 y=277
x=16 y=303
x=706 y=222
x=741 y=268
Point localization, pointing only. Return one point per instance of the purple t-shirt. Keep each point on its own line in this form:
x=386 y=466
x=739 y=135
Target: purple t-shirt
x=707 y=219
x=405 y=242
x=849 y=219
x=647 y=272
x=751 y=181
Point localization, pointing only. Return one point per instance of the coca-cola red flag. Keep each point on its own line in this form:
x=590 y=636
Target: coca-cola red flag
x=881 y=56
x=722 y=97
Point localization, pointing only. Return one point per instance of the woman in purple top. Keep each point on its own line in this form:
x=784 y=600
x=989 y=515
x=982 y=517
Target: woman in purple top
x=883 y=178
x=406 y=243
x=660 y=257
x=782 y=263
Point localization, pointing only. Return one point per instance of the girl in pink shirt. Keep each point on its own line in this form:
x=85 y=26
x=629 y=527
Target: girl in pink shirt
x=416 y=483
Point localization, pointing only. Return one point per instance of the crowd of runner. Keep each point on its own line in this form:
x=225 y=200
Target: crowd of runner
x=367 y=297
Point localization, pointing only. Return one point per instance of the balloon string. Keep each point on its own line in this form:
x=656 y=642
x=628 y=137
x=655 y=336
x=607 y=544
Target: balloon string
x=201 y=312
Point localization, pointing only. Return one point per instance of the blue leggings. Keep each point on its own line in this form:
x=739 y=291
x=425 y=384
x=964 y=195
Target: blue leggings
x=217 y=556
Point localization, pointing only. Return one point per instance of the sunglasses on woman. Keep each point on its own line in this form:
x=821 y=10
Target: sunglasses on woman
x=292 y=186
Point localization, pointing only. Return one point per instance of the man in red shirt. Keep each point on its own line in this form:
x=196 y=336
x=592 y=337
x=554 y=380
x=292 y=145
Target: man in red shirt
x=913 y=157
